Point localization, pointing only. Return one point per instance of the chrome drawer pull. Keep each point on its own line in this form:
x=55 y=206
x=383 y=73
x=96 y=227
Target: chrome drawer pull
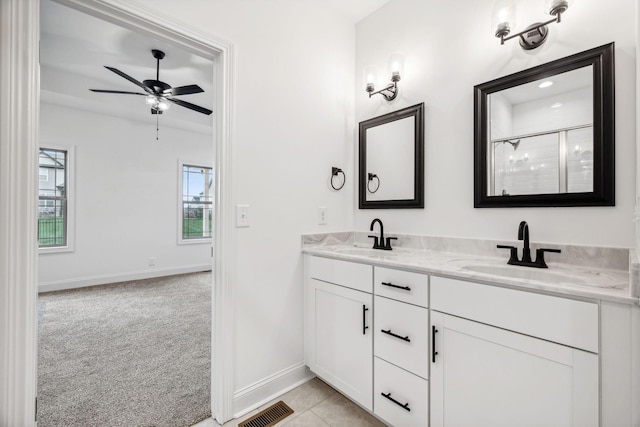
x=395 y=335
x=404 y=288
x=405 y=406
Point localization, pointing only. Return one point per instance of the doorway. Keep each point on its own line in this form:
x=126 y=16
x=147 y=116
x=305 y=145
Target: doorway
x=18 y=392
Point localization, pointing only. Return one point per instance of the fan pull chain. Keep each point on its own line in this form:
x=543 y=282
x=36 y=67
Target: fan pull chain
x=157 y=127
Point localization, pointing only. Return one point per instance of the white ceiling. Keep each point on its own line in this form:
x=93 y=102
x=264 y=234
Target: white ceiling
x=356 y=10
x=75 y=47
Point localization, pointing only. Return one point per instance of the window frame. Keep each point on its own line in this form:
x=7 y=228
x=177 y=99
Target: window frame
x=180 y=211
x=70 y=199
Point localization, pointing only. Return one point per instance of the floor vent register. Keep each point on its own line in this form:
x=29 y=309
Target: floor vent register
x=270 y=416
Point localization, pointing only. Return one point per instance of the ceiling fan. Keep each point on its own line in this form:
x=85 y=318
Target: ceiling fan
x=158 y=93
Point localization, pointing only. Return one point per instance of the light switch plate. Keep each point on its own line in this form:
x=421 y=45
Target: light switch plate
x=242 y=216
x=323 y=213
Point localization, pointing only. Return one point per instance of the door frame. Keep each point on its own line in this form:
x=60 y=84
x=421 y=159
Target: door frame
x=19 y=140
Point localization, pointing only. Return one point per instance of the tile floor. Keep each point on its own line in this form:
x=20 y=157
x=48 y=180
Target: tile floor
x=315 y=405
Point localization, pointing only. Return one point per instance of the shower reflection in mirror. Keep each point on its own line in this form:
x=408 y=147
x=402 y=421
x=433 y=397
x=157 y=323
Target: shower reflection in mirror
x=542 y=143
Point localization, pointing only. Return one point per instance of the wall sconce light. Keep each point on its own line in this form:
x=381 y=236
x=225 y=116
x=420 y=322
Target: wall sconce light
x=535 y=34
x=390 y=92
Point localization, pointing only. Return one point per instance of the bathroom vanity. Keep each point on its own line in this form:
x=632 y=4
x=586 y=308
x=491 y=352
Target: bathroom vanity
x=431 y=337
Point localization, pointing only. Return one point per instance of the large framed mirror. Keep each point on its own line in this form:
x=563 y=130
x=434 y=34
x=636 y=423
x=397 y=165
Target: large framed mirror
x=391 y=160
x=545 y=136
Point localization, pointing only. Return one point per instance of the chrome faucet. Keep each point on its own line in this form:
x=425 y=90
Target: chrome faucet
x=379 y=243
x=523 y=234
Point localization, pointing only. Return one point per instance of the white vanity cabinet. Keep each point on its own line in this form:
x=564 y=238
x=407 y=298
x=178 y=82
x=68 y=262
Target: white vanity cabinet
x=338 y=326
x=500 y=357
x=503 y=357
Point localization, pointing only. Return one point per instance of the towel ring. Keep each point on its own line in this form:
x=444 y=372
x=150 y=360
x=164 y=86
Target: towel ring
x=373 y=176
x=334 y=172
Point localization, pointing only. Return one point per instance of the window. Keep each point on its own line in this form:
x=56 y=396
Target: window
x=43 y=174
x=196 y=203
x=52 y=198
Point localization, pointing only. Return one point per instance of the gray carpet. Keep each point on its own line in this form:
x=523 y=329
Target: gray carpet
x=128 y=354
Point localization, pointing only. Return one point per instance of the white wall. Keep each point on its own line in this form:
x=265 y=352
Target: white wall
x=126 y=197
x=449 y=48
x=293 y=120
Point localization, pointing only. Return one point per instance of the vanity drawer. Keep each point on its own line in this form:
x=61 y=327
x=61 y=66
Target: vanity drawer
x=408 y=347
x=343 y=273
x=402 y=285
x=403 y=387
x=561 y=320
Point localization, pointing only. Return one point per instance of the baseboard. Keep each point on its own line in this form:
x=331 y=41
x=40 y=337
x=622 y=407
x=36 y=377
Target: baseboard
x=249 y=398
x=81 y=282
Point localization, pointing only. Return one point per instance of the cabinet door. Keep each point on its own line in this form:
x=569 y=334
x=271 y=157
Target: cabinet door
x=487 y=376
x=343 y=340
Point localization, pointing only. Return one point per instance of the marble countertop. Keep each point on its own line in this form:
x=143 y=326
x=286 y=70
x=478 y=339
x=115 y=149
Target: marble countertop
x=575 y=280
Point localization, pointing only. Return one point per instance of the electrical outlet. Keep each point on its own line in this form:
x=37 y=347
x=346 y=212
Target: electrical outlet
x=242 y=216
x=323 y=213
x=152 y=261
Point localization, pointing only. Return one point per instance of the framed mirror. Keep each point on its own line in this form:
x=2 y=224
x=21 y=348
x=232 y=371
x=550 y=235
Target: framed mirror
x=391 y=160
x=545 y=136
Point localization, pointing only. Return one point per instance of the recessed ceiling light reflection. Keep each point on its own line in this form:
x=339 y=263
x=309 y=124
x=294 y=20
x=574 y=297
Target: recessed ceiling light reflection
x=545 y=84
x=557 y=105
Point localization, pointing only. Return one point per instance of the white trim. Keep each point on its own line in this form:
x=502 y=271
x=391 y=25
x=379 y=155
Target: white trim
x=70 y=183
x=181 y=240
x=19 y=115
x=105 y=279
x=635 y=365
x=19 y=108
x=251 y=397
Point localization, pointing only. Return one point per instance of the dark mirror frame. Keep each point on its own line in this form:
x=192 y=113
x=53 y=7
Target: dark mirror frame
x=417 y=202
x=602 y=60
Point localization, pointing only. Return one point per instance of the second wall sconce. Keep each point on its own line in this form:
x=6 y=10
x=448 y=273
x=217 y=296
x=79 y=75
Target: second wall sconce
x=389 y=92
x=535 y=34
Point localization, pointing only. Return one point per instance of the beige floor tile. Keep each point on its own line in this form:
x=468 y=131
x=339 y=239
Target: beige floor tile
x=308 y=395
x=338 y=411
x=305 y=419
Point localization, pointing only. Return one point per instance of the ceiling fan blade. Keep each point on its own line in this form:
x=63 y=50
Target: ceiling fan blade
x=117 y=91
x=190 y=106
x=128 y=77
x=183 y=90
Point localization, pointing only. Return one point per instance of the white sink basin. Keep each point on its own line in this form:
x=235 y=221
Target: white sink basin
x=527 y=273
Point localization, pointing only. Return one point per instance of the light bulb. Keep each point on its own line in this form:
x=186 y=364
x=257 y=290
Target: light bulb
x=396 y=66
x=151 y=100
x=370 y=73
x=163 y=104
x=503 y=17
